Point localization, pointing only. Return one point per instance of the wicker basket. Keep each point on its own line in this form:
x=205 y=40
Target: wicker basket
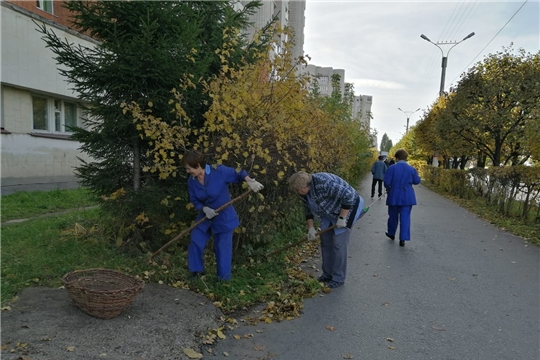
x=102 y=293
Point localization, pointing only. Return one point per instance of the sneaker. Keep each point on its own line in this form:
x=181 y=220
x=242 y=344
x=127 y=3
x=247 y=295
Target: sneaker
x=334 y=284
x=323 y=278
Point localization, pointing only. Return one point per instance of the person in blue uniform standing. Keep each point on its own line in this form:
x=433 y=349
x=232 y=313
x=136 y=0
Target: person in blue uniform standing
x=208 y=190
x=334 y=202
x=378 y=169
x=398 y=181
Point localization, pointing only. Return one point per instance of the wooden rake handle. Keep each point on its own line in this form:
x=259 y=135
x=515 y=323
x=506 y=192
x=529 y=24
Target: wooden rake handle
x=299 y=241
x=186 y=231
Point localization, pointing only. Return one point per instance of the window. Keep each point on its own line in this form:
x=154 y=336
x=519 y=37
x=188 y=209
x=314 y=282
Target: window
x=53 y=115
x=45 y=5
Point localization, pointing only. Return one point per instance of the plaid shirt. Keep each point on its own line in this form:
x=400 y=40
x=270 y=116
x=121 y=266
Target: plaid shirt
x=331 y=194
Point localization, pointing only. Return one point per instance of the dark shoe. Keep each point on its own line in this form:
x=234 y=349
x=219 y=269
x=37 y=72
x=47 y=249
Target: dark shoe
x=380 y=195
x=392 y=237
x=401 y=242
x=323 y=278
x=334 y=284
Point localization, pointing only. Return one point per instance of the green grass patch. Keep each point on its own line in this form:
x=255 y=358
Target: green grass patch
x=26 y=204
x=41 y=251
x=38 y=252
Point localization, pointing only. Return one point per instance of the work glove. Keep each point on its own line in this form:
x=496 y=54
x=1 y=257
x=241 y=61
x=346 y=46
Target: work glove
x=311 y=234
x=341 y=222
x=255 y=185
x=210 y=213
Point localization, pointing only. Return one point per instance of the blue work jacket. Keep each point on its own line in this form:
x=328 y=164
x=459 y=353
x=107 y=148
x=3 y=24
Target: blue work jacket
x=215 y=193
x=378 y=169
x=399 y=180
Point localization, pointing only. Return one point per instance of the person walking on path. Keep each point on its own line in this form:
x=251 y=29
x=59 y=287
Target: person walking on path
x=208 y=190
x=378 y=169
x=334 y=202
x=399 y=181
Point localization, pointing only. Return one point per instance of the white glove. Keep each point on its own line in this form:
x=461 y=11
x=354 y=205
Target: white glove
x=210 y=213
x=341 y=222
x=311 y=234
x=255 y=185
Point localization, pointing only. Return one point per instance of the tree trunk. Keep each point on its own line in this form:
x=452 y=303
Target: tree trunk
x=136 y=165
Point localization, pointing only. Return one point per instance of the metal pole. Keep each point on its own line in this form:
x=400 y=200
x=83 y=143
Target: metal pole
x=445 y=57
x=443 y=74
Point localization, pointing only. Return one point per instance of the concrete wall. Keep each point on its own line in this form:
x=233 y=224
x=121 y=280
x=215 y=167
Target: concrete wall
x=45 y=159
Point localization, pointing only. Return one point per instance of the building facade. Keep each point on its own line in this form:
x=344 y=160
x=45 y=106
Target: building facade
x=322 y=78
x=289 y=13
x=361 y=109
x=37 y=104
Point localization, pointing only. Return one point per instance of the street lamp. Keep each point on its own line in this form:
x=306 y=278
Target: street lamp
x=445 y=58
x=408 y=114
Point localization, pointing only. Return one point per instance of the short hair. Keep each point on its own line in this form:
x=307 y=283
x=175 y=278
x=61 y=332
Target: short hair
x=299 y=180
x=194 y=159
x=401 y=154
x=381 y=157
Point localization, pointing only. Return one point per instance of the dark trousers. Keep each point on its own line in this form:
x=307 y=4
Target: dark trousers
x=373 y=183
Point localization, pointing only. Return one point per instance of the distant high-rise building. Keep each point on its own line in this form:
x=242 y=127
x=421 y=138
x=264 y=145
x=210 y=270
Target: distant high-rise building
x=323 y=77
x=288 y=13
x=361 y=109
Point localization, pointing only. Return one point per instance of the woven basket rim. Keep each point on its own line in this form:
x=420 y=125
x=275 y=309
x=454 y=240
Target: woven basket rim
x=137 y=283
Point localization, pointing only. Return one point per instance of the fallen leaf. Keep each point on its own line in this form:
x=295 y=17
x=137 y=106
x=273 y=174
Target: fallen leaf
x=391 y=347
x=259 y=347
x=452 y=279
x=259 y=331
x=4 y=347
x=237 y=337
x=390 y=339
x=192 y=354
x=347 y=356
x=386 y=304
x=70 y=348
x=225 y=353
x=331 y=328
x=221 y=335
x=438 y=328
x=5 y=308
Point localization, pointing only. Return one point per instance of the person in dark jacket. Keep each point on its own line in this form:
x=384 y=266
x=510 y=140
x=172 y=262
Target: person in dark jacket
x=378 y=169
x=334 y=202
x=208 y=190
x=398 y=181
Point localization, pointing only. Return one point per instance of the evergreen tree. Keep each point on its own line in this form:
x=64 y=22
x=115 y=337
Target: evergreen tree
x=386 y=143
x=144 y=50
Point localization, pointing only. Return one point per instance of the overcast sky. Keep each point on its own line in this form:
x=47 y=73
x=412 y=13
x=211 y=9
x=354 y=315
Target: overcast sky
x=378 y=45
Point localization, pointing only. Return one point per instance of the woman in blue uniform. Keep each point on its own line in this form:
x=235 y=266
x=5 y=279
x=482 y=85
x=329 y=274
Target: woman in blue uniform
x=208 y=190
x=398 y=181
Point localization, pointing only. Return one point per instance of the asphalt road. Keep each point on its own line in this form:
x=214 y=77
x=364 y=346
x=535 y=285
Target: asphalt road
x=460 y=289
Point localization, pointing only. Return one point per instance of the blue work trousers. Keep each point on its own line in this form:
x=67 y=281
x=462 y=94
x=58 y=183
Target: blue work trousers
x=401 y=215
x=222 y=249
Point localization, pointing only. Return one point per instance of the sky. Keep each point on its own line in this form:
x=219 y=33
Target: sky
x=378 y=45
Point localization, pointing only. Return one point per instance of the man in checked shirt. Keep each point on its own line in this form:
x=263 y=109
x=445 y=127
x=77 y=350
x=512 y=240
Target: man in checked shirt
x=334 y=202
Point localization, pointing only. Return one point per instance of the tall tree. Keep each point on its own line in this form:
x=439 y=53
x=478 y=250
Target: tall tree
x=386 y=143
x=145 y=49
x=494 y=104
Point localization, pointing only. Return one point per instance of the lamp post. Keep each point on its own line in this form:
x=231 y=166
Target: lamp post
x=445 y=57
x=408 y=114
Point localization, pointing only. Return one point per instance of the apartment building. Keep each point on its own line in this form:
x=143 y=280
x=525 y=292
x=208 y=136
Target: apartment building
x=322 y=78
x=37 y=104
x=289 y=13
x=361 y=109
